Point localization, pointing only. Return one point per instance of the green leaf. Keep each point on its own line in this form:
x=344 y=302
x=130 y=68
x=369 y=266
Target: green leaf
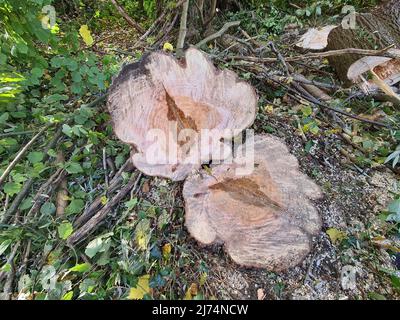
x=83 y=267
x=394 y=206
x=3 y=58
x=4 y=117
x=12 y=188
x=4 y=245
x=100 y=244
x=37 y=72
x=94 y=247
x=376 y=296
x=131 y=203
x=67 y=130
x=68 y=296
x=75 y=206
x=35 y=157
x=65 y=229
x=48 y=208
x=26 y=204
x=74 y=167
x=22 y=48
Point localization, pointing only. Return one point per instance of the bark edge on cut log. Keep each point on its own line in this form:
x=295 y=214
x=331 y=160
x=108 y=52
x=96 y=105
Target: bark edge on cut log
x=192 y=93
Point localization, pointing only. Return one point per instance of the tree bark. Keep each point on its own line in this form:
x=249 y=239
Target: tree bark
x=375 y=30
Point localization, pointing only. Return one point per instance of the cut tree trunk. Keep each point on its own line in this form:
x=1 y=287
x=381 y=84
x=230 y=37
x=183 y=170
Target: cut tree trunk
x=161 y=106
x=264 y=218
x=375 y=30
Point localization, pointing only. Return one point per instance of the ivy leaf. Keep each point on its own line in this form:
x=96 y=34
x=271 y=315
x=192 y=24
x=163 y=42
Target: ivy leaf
x=65 y=229
x=86 y=35
x=142 y=233
x=98 y=245
x=141 y=288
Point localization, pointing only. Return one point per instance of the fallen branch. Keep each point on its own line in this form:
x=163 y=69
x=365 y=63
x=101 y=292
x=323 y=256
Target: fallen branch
x=21 y=153
x=28 y=183
x=163 y=36
x=62 y=190
x=115 y=182
x=43 y=193
x=18 y=133
x=218 y=33
x=128 y=19
x=383 y=53
x=313 y=100
x=95 y=221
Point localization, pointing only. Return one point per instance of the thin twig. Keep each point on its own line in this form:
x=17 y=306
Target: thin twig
x=311 y=99
x=22 y=152
x=156 y=22
x=217 y=34
x=128 y=19
x=115 y=182
x=105 y=167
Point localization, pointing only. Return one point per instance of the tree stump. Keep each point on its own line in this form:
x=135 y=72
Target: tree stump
x=163 y=107
x=265 y=218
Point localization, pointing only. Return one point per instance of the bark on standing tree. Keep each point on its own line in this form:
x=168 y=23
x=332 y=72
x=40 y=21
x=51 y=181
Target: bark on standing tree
x=377 y=29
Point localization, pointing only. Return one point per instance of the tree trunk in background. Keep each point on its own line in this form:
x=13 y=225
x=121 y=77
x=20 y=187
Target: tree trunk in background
x=375 y=30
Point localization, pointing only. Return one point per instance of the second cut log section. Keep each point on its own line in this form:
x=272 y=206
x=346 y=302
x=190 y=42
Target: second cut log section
x=264 y=218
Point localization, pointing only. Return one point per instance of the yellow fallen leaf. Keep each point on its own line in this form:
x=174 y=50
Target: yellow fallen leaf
x=191 y=292
x=103 y=200
x=168 y=47
x=336 y=235
x=193 y=289
x=269 y=108
x=166 y=250
x=141 y=288
x=86 y=35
